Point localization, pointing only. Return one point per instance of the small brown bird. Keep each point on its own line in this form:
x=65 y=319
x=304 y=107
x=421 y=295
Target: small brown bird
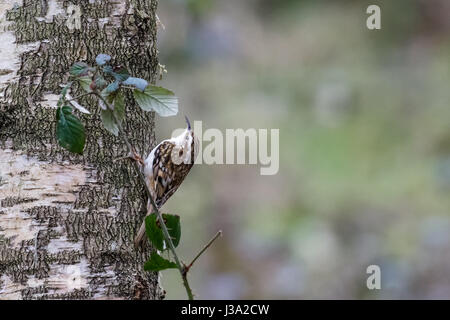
x=166 y=167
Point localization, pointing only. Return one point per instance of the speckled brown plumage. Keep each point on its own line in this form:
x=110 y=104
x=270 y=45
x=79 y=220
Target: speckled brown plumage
x=167 y=176
x=166 y=167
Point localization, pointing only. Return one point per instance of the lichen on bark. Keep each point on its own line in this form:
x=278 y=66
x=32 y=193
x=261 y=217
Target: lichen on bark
x=67 y=222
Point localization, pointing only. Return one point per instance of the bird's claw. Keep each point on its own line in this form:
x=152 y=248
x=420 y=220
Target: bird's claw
x=133 y=156
x=136 y=157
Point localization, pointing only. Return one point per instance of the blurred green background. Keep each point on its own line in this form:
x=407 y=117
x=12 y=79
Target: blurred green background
x=364 y=123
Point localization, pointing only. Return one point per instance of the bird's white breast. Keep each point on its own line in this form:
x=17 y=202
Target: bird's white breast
x=148 y=168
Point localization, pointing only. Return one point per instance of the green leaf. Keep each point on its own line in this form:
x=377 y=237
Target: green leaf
x=139 y=83
x=69 y=130
x=120 y=73
x=85 y=83
x=112 y=87
x=100 y=82
x=154 y=232
x=115 y=99
x=108 y=121
x=173 y=226
x=102 y=58
x=158 y=99
x=108 y=69
x=79 y=69
x=119 y=106
x=64 y=90
x=158 y=263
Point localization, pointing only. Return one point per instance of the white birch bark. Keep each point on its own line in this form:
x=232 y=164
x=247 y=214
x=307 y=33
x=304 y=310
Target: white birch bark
x=67 y=222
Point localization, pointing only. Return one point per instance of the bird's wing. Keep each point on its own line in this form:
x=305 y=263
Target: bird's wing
x=167 y=176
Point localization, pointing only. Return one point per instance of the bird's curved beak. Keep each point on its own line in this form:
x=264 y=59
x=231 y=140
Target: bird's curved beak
x=188 y=123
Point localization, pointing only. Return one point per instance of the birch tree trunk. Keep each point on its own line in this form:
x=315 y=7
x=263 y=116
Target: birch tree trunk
x=67 y=222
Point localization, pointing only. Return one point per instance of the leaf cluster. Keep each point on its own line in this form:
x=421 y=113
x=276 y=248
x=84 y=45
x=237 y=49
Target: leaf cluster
x=108 y=82
x=156 y=237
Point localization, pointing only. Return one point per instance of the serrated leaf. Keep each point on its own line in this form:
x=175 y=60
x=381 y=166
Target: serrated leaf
x=108 y=121
x=85 y=83
x=154 y=232
x=139 y=83
x=158 y=99
x=79 y=69
x=173 y=226
x=69 y=130
x=158 y=263
x=102 y=58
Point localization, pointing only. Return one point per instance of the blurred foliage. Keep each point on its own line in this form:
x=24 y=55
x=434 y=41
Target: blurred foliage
x=364 y=146
x=198 y=8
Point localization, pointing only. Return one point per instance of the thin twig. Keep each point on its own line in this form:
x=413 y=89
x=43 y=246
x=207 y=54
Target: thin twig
x=218 y=234
x=128 y=87
x=167 y=237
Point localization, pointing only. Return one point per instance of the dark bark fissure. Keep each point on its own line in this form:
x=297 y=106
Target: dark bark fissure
x=110 y=204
